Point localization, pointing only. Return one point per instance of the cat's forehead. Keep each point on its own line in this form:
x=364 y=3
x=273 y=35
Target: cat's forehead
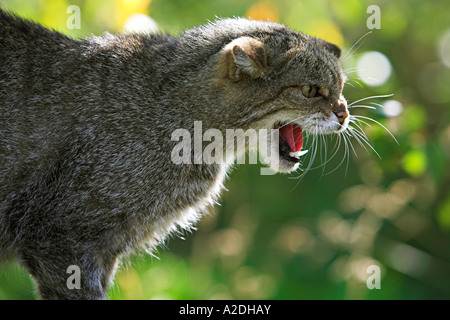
x=315 y=62
x=299 y=46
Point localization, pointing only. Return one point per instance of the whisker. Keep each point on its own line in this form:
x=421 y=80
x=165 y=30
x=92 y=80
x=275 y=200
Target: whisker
x=355 y=122
x=365 y=105
x=372 y=97
x=352 y=47
x=341 y=136
x=350 y=144
x=350 y=70
x=361 y=106
x=323 y=157
x=387 y=130
x=358 y=137
x=350 y=84
x=349 y=141
x=334 y=152
x=354 y=79
x=312 y=156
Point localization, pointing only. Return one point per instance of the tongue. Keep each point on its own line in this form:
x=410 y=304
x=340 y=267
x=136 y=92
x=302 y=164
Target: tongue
x=292 y=134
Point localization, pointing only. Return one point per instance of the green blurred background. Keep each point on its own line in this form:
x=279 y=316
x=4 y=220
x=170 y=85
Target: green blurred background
x=281 y=237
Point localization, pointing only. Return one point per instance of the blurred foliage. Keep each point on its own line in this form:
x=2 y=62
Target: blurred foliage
x=280 y=237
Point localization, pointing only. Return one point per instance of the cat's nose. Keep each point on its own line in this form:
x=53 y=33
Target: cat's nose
x=340 y=110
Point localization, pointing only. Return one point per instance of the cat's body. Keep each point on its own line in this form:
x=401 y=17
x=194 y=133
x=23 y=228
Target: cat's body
x=85 y=134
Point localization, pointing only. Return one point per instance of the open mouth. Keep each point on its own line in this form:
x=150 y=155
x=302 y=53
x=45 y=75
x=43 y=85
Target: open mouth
x=291 y=141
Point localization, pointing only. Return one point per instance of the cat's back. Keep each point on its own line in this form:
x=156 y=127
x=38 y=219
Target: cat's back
x=18 y=35
x=31 y=59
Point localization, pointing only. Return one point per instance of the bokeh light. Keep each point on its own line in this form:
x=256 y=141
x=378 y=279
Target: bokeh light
x=444 y=48
x=263 y=10
x=328 y=31
x=392 y=108
x=374 y=68
x=126 y=8
x=140 y=23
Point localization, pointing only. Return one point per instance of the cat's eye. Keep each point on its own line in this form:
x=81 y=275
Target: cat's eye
x=313 y=91
x=310 y=91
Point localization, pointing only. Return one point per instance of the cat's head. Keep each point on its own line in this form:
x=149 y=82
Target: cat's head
x=277 y=78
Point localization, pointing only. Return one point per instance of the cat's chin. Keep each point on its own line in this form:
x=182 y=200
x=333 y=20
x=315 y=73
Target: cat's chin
x=285 y=166
x=278 y=163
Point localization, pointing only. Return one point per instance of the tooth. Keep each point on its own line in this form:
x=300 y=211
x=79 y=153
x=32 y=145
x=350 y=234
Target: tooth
x=298 y=154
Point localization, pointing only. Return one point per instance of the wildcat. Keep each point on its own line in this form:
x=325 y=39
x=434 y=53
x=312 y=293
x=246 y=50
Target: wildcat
x=86 y=175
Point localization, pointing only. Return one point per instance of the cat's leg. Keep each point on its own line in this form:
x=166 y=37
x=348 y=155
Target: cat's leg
x=108 y=273
x=61 y=277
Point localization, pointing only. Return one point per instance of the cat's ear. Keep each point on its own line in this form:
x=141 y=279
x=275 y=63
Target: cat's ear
x=246 y=56
x=334 y=49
